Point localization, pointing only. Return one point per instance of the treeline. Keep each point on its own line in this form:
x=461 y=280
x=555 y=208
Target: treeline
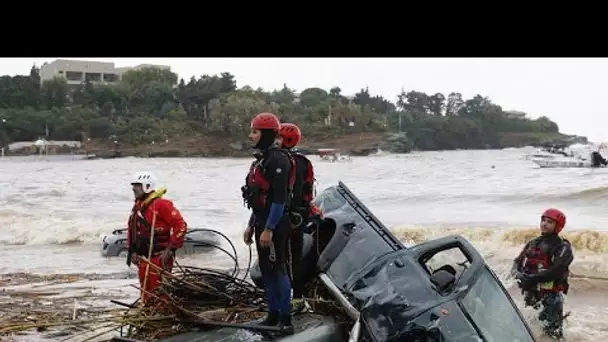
x=153 y=105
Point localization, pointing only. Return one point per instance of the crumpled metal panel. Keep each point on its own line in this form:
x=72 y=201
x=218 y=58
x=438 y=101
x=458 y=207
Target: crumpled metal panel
x=358 y=241
x=393 y=292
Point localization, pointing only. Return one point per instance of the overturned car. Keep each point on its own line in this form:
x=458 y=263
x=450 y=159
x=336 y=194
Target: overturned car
x=440 y=290
x=197 y=240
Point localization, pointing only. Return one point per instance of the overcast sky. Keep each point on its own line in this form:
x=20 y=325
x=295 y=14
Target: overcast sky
x=569 y=91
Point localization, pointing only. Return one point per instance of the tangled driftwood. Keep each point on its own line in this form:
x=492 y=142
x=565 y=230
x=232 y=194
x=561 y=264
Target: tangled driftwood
x=188 y=297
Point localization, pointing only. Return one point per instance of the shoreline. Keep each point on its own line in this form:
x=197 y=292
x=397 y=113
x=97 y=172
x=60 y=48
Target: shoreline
x=206 y=146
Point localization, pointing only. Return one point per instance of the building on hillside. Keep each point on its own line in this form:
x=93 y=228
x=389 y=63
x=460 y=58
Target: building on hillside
x=515 y=114
x=46 y=146
x=75 y=72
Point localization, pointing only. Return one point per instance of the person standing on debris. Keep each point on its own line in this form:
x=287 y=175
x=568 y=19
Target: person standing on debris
x=542 y=269
x=155 y=230
x=301 y=208
x=267 y=193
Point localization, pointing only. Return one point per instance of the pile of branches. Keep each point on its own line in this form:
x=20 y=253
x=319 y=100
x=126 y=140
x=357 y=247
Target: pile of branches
x=189 y=297
x=193 y=296
x=198 y=297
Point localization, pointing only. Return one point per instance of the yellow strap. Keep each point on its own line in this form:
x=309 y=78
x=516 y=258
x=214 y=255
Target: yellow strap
x=156 y=194
x=547 y=285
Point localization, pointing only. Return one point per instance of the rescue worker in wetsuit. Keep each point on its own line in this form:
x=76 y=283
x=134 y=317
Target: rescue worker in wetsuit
x=301 y=209
x=153 y=218
x=267 y=193
x=597 y=159
x=542 y=269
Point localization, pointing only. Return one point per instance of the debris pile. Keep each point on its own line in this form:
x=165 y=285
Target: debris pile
x=195 y=297
x=188 y=297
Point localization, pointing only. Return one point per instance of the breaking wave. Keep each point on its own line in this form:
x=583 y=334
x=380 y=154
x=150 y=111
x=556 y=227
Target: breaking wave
x=599 y=193
x=500 y=246
x=573 y=197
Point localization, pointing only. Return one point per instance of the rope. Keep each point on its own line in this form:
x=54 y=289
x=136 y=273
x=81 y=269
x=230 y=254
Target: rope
x=292 y=227
x=150 y=248
x=289 y=260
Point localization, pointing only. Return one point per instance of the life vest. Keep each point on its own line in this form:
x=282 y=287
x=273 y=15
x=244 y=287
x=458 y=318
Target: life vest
x=304 y=187
x=140 y=229
x=255 y=192
x=538 y=258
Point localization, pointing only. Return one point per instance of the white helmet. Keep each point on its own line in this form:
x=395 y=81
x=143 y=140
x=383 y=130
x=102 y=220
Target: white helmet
x=146 y=179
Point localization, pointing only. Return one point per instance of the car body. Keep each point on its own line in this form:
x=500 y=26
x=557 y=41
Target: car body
x=196 y=241
x=392 y=292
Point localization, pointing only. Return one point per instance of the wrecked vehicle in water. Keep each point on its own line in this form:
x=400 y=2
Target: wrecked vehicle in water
x=439 y=290
x=198 y=240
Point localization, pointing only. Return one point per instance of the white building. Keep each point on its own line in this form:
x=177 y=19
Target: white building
x=75 y=72
x=515 y=114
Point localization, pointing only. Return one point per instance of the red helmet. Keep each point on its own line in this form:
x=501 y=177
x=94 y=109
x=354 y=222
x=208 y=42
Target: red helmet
x=266 y=121
x=557 y=216
x=291 y=135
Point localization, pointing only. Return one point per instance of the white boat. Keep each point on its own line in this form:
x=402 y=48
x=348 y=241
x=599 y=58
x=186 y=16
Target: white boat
x=551 y=153
x=542 y=155
x=331 y=155
x=563 y=162
x=592 y=160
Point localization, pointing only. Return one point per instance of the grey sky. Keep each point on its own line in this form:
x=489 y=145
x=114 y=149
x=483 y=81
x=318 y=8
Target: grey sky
x=569 y=91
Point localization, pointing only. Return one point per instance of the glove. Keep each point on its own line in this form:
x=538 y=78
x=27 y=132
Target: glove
x=313 y=222
x=525 y=281
x=522 y=277
x=309 y=228
x=316 y=219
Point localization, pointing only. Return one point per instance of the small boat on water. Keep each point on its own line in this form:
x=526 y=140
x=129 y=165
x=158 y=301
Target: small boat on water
x=596 y=160
x=566 y=162
x=551 y=152
x=332 y=155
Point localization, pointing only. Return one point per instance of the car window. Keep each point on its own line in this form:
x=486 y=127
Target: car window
x=492 y=311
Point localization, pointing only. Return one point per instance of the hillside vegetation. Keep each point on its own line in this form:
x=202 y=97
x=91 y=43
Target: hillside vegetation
x=152 y=105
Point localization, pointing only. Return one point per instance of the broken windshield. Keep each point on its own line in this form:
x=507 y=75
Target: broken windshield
x=493 y=312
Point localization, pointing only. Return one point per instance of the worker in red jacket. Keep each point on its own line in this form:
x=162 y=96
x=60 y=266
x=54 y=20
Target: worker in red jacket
x=155 y=230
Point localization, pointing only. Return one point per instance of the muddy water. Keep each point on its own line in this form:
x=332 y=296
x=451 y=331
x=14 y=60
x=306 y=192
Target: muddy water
x=54 y=213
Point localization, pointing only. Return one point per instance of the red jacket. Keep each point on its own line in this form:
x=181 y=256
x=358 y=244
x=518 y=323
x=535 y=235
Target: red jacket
x=169 y=225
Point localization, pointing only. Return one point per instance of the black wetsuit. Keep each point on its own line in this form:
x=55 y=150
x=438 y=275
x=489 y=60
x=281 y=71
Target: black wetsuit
x=559 y=256
x=301 y=207
x=272 y=260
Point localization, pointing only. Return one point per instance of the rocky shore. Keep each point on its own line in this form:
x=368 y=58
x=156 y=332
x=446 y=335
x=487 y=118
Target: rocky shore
x=355 y=144
x=360 y=144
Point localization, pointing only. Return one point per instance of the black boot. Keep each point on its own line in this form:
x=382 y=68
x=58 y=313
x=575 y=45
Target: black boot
x=286 y=325
x=272 y=319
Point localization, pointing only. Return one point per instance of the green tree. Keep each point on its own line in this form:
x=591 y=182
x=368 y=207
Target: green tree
x=55 y=93
x=152 y=104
